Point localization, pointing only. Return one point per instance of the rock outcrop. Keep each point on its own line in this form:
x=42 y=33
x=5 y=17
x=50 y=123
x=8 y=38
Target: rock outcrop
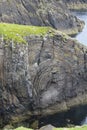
x=41 y=13
x=48 y=127
x=76 y=4
x=61 y=75
x=46 y=75
x=15 y=85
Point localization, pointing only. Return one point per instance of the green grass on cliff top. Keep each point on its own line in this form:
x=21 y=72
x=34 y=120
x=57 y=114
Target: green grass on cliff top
x=74 y=128
x=17 y=33
x=22 y=128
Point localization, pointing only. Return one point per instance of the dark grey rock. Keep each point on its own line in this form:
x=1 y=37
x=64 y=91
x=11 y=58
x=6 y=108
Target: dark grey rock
x=41 y=13
x=45 y=76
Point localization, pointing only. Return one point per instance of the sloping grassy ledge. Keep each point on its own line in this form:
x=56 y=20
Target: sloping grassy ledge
x=74 y=128
x=17 y=33
x=22 y=128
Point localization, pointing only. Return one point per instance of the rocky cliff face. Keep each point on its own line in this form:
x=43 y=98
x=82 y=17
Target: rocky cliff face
x=76 y=4
x=15 y=85
x=41 y=13
x=61 y=76
x=46 y=76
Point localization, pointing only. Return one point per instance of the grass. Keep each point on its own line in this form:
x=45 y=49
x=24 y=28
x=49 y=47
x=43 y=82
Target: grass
x=74 y=128
x=17 y=33
x=22 y=128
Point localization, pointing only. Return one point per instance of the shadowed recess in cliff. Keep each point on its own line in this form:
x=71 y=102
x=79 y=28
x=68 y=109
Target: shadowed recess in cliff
x=72 y=117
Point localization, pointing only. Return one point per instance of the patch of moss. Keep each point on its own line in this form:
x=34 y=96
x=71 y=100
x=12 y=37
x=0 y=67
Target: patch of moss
x=17 y=33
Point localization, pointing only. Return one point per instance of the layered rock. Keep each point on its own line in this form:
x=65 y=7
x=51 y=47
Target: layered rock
x=15 y=84
x=46 y=75
x=61 y=74
x=76 y=4
x=41 y=13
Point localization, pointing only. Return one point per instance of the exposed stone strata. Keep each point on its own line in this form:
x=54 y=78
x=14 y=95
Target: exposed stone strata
x=16 y=87
x=76 y=4
x=45 y=76
x=61 y=75
x=41 y=13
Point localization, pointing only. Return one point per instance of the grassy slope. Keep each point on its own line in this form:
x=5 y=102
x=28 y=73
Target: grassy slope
x=17 y=32
x=22 y=128
x=74 y=128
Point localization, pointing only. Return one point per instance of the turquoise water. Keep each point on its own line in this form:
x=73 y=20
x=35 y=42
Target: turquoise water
x=82 y=36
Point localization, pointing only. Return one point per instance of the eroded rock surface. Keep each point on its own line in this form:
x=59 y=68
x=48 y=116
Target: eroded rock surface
x=45 y=76
x=41 y=13
x=15 y=84
x=76 y=4
x=60 y=74
x=48 y=127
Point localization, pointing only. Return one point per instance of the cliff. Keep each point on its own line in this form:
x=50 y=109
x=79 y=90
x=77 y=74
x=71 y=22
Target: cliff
x=42 y=70
x=52 y=13
x=42 y=75
x=80 y=5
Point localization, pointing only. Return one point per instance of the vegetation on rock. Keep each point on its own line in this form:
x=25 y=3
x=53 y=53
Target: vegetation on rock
x=52 y=13
x=73 y=128
x=17 y=33
x=22 y=128
x=42 y=75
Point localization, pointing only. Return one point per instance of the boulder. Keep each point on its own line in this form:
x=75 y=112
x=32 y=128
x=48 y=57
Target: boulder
x=47 y=127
